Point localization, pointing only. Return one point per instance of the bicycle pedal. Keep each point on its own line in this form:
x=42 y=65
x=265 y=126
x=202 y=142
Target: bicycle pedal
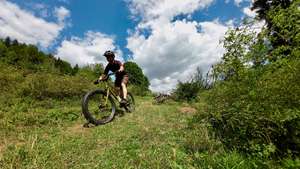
x=124 y=104
x=86 y=125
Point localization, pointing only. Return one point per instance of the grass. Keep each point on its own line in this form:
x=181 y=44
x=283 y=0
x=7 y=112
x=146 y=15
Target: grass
x=49 y=134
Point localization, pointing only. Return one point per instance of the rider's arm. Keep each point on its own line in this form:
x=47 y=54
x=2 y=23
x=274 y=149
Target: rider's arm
x=121 y=68
x=104 y=75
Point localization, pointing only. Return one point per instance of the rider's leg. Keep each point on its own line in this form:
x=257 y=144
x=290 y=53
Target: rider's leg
x=119 y=91
x=124 y=91
x=124 y=86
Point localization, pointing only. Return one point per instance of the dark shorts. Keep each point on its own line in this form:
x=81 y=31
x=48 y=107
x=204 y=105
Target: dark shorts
x=123 y=77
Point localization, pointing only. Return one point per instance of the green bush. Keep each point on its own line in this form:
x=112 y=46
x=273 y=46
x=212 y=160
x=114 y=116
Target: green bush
x=41 y=86
x=291 y=163
x=138 y=90
x=189 y=90
x=259 y=114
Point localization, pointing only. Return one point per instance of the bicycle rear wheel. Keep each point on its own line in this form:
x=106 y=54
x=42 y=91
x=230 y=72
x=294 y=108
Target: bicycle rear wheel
x=97 y=108
x=130 y=107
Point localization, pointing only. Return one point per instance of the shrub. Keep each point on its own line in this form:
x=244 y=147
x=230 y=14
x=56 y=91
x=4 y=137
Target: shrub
x=188 y=91
x=138 y=90
x=41 y=86
x=259 y=114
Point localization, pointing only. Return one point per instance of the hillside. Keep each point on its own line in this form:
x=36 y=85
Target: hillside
x=245 y=113
x=50 y=135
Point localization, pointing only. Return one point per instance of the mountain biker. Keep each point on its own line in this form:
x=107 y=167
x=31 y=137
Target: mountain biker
x=121 y=76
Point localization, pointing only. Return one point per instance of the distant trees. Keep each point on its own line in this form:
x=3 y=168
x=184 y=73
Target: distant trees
x=63 y=66
x=3 y=49
x=136 y=74
x=28 y=56
x=75 y=69
x=137 y=78
x=91 y=72
x=7 y=41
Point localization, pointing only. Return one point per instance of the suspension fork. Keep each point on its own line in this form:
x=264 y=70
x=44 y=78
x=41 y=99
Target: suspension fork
x=107 y=94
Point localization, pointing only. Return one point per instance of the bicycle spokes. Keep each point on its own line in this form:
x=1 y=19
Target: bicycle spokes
x=99 y=107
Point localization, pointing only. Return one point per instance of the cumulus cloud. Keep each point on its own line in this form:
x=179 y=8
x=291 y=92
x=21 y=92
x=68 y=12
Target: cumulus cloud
x=152 y=12
x=174 y=49
x=62 y=14
x=23 y=25
x=166 y=8
x=174 y=52
x=87 y=50
x=248 y=12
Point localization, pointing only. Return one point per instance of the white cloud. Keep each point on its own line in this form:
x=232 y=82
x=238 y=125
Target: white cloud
x=174 y=49
x=62 y=14
x=24 y=26
x=166 y=8
x=153 y=11
x=248 y=12
x=173 y=52
x=87 y=50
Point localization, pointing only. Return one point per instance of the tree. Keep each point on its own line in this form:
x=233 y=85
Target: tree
x=97 y=69
x=33 y=55
x=236 y=42
x=75 y=69
x=11 y=57
x=63 y=66
x=7 y=41
x=3 y=49
x=136 y=75
x=284 y=34
x=266 y=10
x=15 y=42
x=262 y=7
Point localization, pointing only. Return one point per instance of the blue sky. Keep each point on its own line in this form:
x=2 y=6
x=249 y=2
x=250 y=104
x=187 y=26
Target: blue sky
x=167 y=38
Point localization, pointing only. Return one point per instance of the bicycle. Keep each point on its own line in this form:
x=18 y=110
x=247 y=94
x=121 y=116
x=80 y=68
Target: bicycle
x=98 y=106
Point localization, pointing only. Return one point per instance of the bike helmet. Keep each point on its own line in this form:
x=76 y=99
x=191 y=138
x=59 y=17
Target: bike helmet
x=109 y=53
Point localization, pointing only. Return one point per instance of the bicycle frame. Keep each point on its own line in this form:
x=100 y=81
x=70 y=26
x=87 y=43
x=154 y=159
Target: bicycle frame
x=110 y=90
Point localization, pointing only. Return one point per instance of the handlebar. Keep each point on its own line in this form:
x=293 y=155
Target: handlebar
x=109 y=74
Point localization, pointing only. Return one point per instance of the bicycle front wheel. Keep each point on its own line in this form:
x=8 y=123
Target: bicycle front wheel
x=98 y=108
x=130 y=107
